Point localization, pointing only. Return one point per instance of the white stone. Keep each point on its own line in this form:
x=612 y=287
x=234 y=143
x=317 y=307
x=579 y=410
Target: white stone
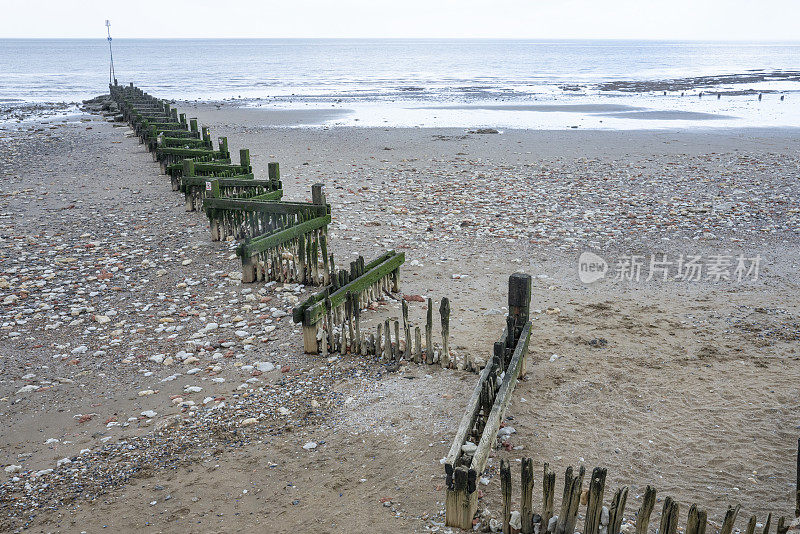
x=264 y=367
x=149 y=414
x=310 y=446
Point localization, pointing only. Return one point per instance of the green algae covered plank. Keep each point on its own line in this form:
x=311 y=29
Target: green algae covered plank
x=299 y=310
x=315 y=312
x=260 y=206
x=266 y=242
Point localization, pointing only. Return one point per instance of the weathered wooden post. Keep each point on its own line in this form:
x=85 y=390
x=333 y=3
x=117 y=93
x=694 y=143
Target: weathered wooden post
x=406 y=331
x=396 y=354
x=444 y=311
x=417 y=345
x=193 y=125
x=797 y=483
x=212 y=188
x=244 y=157
x=617 y=509
x=519 y=300
x=460 y=503
x=206 y=134
x=643 y=515
x=429 y=334
x=317 y=194
x=548 y=493
x=526 y=507
x=594 y=505
x=274 y=174
x=387 y=342
x=505 y=486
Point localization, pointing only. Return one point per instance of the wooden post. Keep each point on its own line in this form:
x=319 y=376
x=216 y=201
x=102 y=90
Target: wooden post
x=548 y=492
x=244 y=157
x=669 y=517
x=460 y=504
x=444 y=311
x=396 y=350
x=223 y=145
x=781 y=528
x=274 y=173
x=188 y=167
x=797 y=484
x=206 y=134
x=329 y=322
x=387 y=343
x=730 y=519
x=527 y=496
x=417 y=345
x=616 y=510
x=751 y=525
x=212 y=188
x=505 y=485
x=571 y=501
x=356 y=320
x=519 y=300
x=429 y=333
x=767 y=524
x=318 y=194
x=193 y=125
x=406 y=331
x=594 y=505
x=643 y=515
x=310 y=339
x=248 y=270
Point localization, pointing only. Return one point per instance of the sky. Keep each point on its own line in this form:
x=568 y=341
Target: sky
x=745 y=20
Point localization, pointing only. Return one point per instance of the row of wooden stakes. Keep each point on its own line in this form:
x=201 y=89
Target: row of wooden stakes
x=598 y=518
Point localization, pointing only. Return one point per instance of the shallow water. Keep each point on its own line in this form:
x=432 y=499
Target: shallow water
x=432 y=82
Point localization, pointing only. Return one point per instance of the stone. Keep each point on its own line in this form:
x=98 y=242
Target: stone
x=469 y=448
x=149 y=414
x=13 y=468
x=310 y=446
x=515 y=521
x=249 y=421
x=264 y=367
x=604 y=516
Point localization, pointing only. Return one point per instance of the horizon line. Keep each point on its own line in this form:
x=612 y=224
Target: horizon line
x=692 y=40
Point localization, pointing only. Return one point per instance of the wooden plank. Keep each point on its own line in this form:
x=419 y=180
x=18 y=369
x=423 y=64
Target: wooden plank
x=501 y=402
x=469 y=417
x=312 y=314
x=261 y=243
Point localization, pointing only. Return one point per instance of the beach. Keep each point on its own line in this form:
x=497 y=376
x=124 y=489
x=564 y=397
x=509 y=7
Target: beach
x=106 y=279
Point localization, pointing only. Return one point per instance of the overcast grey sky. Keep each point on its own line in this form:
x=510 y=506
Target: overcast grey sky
x=536 y=19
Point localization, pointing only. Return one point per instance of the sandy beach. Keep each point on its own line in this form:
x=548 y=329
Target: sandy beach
x=105 y=278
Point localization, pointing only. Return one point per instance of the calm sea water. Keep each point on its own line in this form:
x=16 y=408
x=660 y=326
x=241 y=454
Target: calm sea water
x=366 y=72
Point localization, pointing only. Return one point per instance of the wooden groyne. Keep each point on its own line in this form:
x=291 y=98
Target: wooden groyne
x=281 y=241
x=607 y=516
x=476 y=435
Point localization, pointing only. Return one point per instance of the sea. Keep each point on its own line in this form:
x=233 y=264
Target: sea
x=537 y=84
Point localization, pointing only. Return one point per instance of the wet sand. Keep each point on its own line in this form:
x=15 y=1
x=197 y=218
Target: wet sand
x=695 y=391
